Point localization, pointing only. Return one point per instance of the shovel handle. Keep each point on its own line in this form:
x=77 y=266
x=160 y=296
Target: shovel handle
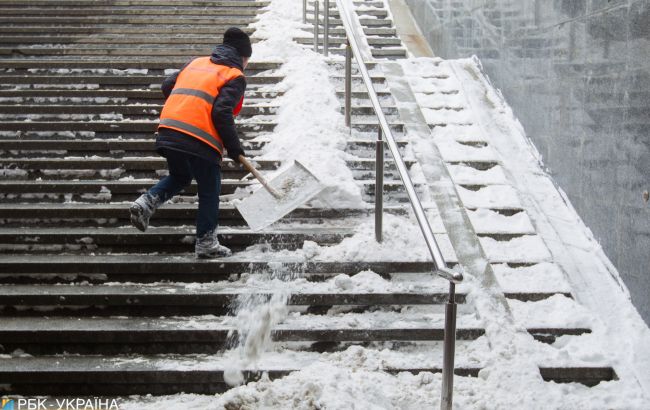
x=244 y=161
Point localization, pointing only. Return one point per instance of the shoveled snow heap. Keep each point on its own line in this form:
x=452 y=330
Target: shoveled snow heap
x=353 y=379
x=310 y=125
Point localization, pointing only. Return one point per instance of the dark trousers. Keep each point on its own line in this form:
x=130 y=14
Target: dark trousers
x=182 y=169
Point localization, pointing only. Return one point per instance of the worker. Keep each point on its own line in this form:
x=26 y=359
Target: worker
x=196 y=129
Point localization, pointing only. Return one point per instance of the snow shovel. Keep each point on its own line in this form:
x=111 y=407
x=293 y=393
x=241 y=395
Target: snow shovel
x=284 y=193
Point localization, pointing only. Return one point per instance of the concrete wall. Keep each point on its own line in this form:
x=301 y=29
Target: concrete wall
x=577 y=73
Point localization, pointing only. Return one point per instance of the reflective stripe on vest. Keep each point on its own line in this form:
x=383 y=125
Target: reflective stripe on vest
x=189 y=106
x=197 y=93
x=189 y=128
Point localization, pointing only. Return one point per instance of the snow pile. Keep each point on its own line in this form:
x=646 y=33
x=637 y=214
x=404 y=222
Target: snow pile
x=357 y=379
x=402 y=239
x=310 y=126
x=347 y=380
x=364 y=281
x=255 y=319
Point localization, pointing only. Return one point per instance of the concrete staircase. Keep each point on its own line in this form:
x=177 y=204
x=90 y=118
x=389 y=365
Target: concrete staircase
x=92 y=306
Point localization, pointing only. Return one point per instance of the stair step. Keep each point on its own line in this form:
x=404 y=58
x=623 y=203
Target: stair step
x=78 y=189
x=108 y=79
x=160 y=237
x=389 y=52
x=110 y=189
x=110 y=126
x=245 y=135
x=123 y=375
x=155 y=266
x=134 y=3
x=369 y=31
x=103 y=20
x=589 y=376
x=147 y=94
x=338 y=41
x=53 y=148
x=114 y=214
x=123 y=98
x=357 y=327
x=146 y=163
x=160 y=64
x=211 y=334
x=168 y=29
x=334 y=13
x=203 y=334
x=152 y=163
x=163 y=240
x=383 y=52
x=148 y=126
x=149 y=110
x=138 y=145
x=108 y=39
x=366 y=22
x=153 y=12
x=356 y=3
x=219 y=294
x=176 y=298
x=26 y=148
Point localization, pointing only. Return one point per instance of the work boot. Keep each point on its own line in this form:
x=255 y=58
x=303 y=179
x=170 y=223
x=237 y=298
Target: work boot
x=208 y=246
x=142 y=209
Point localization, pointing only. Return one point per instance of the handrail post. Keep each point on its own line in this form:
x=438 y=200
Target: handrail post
x=326 y=33
x=348 y=84
x=316 y=18
x=379 y=187
x=304 y=11
x=384 y=131
x=447 y=394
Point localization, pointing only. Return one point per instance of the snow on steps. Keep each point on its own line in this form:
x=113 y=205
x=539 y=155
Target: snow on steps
x=90 y=288
x=491 y=200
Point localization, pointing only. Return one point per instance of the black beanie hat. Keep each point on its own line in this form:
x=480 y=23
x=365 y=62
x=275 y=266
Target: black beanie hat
x=239 y=40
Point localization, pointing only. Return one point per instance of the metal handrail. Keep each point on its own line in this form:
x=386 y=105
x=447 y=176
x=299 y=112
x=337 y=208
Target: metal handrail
x=434 y=249
x=384 y=131
x=316 y=23
x=326 y=31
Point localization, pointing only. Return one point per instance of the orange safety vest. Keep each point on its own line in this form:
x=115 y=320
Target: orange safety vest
x=189 y=106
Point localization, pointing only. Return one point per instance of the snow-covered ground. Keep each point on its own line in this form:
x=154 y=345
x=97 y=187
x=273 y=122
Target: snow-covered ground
x=310 y=129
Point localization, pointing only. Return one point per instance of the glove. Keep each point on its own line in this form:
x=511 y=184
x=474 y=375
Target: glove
x=234 y=154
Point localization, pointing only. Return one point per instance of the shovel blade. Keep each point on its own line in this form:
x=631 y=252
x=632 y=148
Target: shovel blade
x=296 y=185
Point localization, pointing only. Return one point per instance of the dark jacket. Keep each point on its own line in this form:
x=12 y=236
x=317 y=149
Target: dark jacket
x=222 y=113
